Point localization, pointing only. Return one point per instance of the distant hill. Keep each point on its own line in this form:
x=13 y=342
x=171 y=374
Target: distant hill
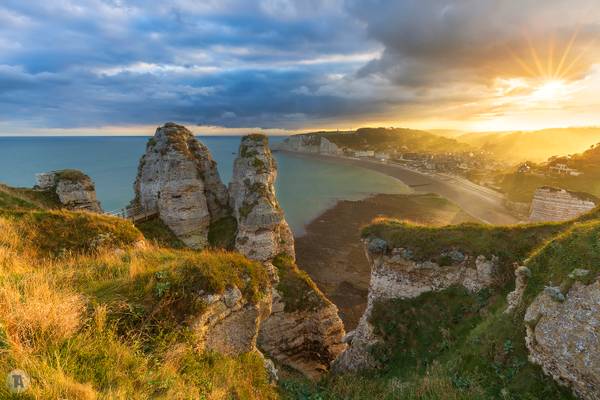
x=519 y=185
x=380 y=139
x=535 y=146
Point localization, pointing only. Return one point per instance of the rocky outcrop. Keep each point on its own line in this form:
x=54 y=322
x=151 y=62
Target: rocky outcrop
x=396 y=275
x=552 y=204
x=563 y=337
x=304 y=331
x=514 y=298
x=178 y=179
x=310 y=143
x=263 y=232
x=229 y=324
x=74 y=189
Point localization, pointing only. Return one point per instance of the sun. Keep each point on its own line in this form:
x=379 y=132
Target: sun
x=550 y=90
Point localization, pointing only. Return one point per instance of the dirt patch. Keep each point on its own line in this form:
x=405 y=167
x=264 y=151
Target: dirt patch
x=332 y=254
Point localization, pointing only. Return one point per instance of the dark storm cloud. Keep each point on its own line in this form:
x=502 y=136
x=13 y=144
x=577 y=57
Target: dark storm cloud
x=432 y=42
x=69 y=63
x=267 y=63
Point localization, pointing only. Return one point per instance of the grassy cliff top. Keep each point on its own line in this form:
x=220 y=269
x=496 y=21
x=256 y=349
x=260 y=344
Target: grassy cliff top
x=56 y=233
x=88 y=314
x=510 y=243
x=73 y=175
x=26 y=199
x=453 y=344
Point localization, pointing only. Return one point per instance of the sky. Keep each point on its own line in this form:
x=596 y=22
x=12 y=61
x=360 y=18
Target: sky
x=229 y=66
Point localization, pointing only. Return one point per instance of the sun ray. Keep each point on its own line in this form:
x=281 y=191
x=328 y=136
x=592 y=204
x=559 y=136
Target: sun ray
x=567 y=69
x=551 y=44
x=535 y=57
x=521 y=62
x=566 y=52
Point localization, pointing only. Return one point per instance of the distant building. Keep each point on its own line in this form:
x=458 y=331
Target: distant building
x=564 y=169
x=364 y=153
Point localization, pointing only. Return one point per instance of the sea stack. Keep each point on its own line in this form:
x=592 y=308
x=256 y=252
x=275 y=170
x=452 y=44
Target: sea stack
x=263 y=232
x=74 y=189
x=178 y=179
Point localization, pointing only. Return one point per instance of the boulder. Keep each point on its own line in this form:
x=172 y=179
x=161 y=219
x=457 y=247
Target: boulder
x=563 y=337
x=74 y=189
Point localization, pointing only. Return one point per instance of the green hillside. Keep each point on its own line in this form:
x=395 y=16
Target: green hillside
x=381 y=139
x=520 y=186
x=453 y=344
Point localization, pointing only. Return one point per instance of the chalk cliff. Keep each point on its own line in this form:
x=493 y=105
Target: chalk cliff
x=310 y=143
x=74 y=189
x=396 y=275
x=263 y=232
x=552 y=204
x=178 y=178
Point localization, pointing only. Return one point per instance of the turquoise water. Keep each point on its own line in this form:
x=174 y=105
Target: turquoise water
x=305 y=187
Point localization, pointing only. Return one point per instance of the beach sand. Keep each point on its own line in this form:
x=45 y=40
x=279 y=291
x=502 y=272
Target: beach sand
x=332 y=254
x=480 y=202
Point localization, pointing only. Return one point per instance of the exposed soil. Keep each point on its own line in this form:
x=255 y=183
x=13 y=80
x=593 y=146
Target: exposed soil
x=332 y=254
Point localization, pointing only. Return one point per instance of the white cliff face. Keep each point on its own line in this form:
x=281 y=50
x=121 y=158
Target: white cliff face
x=310 y=143
x=75 y=190
x=263 y=232
x=563 y=337
x=178 y=178
x=394 y=275
x=551 y=204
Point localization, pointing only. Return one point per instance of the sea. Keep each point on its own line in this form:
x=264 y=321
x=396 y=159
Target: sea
x=306 y=187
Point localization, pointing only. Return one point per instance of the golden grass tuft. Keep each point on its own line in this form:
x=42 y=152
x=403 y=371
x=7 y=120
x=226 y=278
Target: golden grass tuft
x=36 y=313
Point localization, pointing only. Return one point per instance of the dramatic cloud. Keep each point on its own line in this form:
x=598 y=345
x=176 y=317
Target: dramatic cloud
x=290 y=63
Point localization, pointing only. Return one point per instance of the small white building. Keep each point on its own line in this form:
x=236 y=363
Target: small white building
x=564 y=169
x=364 y=153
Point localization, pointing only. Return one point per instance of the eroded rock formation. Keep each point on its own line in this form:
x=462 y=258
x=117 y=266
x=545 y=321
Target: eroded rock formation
x=263 y=232
x=563 y=337
x=304 y=331
x=74 y=189
x=395 y=275
x=230 y=324
x=178 y=179
x=514 y=298
x=552 y=204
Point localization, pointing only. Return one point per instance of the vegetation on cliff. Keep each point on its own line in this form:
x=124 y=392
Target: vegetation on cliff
x=90 y=311
x=453 y=344
x=520 y=186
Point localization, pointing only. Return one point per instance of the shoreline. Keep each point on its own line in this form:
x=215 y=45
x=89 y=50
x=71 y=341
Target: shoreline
x=480 y=202
x=332 y=254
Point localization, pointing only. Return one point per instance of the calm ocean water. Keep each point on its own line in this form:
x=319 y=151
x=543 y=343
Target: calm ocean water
x=305 y=187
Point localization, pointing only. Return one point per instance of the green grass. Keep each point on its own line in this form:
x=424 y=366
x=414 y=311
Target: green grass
x=115 y=325
x=56 y=233
x=297 y=290
x=509 y=243
x=155 y=230
x=221 y=233
x=578 y=247
x=26 y=199
x=72 y=175
x=453 y=344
